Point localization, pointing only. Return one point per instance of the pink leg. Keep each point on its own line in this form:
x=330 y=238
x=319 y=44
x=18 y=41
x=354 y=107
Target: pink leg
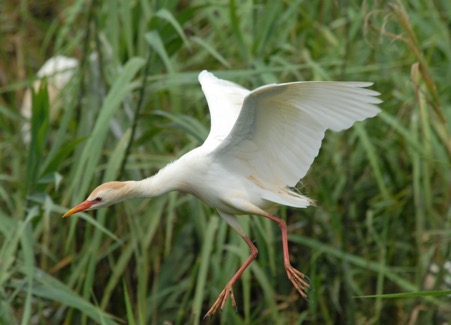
x=220 y=302
x=295 y=276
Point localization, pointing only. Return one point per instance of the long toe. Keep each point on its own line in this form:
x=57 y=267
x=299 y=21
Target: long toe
x=297 y=278
x=220 y=302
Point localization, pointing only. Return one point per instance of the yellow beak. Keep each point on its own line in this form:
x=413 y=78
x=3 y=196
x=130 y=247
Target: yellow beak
x=78 y=208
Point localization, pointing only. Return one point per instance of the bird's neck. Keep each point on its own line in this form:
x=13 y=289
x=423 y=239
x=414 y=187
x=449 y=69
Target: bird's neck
x=166 y=180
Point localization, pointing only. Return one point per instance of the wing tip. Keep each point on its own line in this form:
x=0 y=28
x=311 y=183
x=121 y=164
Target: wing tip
x=205 y=75
x=370 y=112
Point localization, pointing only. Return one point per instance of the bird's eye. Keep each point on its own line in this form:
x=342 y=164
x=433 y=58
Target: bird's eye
x=97 y=200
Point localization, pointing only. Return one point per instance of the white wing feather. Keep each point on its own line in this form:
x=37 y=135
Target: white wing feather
x=225 y=100
x=280 y=128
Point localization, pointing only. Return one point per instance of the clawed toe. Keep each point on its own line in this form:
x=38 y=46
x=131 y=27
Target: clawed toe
x=299 y=280
x=220 y=302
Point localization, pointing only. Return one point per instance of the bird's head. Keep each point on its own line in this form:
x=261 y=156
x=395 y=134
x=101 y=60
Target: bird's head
x=103 y=196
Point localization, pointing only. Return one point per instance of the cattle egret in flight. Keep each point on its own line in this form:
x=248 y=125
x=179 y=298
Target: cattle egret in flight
x=261 y=143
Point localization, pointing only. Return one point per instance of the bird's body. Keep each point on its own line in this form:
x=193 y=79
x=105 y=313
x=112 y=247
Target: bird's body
x=261 y=144
x=223 y=193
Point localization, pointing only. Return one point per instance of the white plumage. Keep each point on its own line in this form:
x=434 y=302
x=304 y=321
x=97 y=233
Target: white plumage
x=272 y=134
x=261 y=143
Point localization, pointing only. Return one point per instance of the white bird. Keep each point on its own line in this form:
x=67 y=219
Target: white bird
x=261 y=143
x=58 y=71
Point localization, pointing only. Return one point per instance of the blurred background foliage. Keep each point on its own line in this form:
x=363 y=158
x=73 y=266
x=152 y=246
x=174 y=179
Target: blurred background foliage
x=382 y=224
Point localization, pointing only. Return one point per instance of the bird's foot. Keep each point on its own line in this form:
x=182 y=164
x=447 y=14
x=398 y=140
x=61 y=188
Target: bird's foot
x=298 y=279
x=220 y=302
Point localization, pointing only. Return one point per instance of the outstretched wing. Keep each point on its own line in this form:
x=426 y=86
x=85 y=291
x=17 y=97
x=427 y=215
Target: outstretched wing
x=280 y=127
x=225 y=100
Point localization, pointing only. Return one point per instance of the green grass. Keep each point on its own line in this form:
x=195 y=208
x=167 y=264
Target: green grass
x=383 y=188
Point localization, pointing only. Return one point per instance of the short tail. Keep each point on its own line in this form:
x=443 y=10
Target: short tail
x=288 y=197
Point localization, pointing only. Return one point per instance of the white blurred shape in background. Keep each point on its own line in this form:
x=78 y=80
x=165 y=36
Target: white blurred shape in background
x=58 y=71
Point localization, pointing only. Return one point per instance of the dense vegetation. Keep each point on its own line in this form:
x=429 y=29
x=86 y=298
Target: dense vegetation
x=382 y=224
